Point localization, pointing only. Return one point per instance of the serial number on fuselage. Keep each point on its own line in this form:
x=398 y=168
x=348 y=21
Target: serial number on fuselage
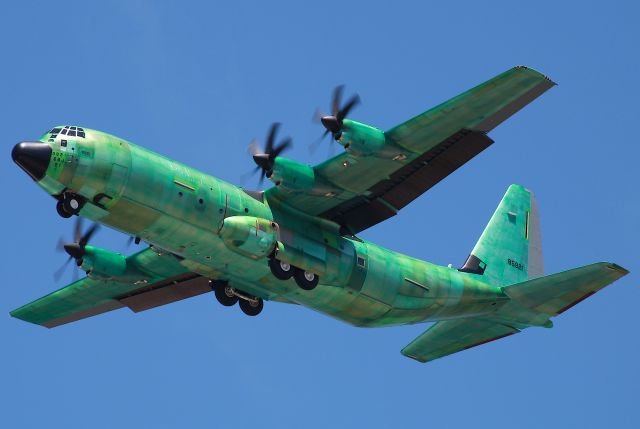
x=515 y=264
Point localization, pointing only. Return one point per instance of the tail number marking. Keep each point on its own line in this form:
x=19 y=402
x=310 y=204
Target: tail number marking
x=515 y=264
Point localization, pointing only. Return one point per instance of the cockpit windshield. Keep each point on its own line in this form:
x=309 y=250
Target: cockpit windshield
x=67 y=131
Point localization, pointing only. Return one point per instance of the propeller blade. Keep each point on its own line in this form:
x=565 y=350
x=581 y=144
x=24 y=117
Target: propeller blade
x=77 y=234
x=353 y=101
x=316 y=144
x=271 y=137
x=60 y=245
x=60 y=271
x=284 y=145
x=335 y=101
x=87 y=236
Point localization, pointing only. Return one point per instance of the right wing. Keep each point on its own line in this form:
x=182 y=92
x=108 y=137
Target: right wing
x=452 y=336
x=164 y=280
x=369 y=189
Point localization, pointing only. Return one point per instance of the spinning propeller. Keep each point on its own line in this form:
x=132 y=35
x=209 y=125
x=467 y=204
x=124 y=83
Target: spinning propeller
x=265 y=159
x=76 y=249
x=334 y=122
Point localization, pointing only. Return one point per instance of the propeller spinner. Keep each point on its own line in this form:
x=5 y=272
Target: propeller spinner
x=334 y=122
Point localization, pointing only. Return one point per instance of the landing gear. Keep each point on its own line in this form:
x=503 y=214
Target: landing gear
x=225 y=295
x=69 y=204
x=251 y=307
x=229 y=296
x=306 y=279
x=281 y=270
x=61 y=211
x=284 y=271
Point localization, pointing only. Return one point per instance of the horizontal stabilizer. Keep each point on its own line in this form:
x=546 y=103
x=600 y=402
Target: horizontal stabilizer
x=451 y=336
x=557 y=293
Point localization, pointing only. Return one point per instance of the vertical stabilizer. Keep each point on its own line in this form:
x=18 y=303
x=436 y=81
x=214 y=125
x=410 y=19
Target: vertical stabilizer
x=510 y=248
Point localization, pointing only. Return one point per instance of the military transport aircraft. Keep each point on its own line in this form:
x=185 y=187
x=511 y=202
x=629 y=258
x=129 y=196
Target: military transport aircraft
x=297 y=241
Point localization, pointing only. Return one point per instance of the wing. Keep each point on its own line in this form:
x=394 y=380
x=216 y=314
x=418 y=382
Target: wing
x=163 y=280
x=437 y=142
x=451 y=336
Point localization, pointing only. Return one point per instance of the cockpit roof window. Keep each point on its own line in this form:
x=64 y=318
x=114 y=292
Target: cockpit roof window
x=69 y=131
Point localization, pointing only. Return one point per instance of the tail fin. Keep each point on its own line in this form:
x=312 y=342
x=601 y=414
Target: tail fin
x=510 y=248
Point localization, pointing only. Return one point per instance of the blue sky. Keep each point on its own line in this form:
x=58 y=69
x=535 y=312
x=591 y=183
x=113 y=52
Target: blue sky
x=198 y=80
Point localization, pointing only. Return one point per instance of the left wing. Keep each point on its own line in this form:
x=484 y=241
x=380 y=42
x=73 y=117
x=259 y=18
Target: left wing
x=164 y=280
x=451 y=336
x=365 y=190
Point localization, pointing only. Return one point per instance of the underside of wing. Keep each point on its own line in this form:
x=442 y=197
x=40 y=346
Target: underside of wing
x=163 y=280
x=452 y=336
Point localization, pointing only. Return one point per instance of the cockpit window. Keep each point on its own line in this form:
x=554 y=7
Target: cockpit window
x=68 y=131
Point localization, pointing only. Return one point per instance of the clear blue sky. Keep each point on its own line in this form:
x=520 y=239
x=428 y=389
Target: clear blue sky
x=198 y=80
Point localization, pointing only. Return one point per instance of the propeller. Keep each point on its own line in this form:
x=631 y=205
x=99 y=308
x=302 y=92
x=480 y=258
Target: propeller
x=265 y=159
x=334 y=122
x=76 y=249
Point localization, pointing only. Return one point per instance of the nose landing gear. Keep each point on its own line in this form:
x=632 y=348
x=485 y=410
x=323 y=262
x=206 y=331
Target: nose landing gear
x=69 y=204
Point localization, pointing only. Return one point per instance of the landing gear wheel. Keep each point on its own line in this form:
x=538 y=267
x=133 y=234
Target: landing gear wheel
x=61 y=211
x=281 y=270
x=71 y=203
x=224 y=295
x=306 y=279
x=253 y=307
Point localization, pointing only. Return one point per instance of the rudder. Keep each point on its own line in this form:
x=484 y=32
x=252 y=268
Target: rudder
x=510 y=248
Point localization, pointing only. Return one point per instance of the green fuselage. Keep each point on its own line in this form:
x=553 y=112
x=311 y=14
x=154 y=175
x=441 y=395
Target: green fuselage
x=180 y=210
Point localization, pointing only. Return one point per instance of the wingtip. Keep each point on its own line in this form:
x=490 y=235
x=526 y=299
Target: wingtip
x=613 y=266
x=547 y=78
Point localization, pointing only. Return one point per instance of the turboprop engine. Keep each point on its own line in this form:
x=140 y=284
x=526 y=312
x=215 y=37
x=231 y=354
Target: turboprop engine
x=102 y=263
x=250 y=236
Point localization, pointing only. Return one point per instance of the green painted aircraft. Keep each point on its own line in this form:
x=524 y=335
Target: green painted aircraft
x=296 y=242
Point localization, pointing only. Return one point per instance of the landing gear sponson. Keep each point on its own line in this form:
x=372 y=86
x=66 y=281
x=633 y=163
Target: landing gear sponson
x=229 y=296
x=284 y=271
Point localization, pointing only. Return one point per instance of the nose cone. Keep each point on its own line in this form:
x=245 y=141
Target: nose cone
x=32 y=157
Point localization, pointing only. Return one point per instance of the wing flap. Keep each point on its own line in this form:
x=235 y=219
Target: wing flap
x=452 y=336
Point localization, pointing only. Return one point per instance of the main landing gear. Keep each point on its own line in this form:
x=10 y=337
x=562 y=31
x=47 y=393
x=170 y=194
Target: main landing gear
x=69 y=204
x=229 y=296
x=283 y=271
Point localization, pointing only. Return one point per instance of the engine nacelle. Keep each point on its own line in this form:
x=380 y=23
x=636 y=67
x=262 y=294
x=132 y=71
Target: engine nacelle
x=250 y=236
x=361 y=139
x=292 y=175
x=103 y=264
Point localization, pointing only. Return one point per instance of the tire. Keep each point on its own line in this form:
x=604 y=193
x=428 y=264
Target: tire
x=281 y=270
x=224 y=296
x=61 y=211
x=305 y=279
x=251 y=309
x=71 y=204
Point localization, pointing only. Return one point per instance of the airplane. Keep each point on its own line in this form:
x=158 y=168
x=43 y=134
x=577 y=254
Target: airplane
x=297 y=242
